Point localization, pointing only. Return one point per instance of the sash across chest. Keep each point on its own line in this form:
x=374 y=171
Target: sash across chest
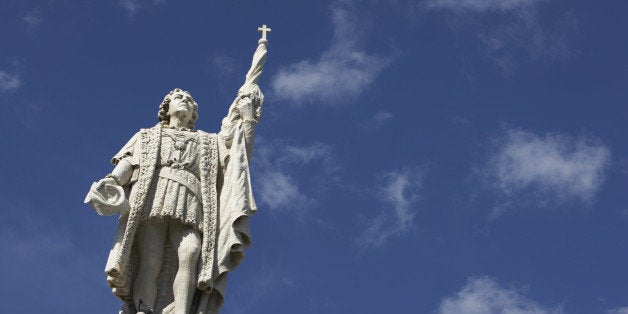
x=183 y=177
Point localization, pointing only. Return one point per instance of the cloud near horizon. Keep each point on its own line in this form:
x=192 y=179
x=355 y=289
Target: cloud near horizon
x=555 y=167
x=342 y=70
x=484 y=295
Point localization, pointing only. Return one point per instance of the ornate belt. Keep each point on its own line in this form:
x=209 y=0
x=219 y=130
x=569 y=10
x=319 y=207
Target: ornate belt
x=183 y=177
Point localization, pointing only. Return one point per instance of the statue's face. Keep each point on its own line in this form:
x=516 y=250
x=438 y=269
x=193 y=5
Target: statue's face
x=181 y=105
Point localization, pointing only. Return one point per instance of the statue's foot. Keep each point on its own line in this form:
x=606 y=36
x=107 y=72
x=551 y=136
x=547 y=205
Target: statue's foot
x=144 y=309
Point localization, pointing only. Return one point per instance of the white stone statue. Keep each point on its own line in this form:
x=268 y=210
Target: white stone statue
x=184 y=198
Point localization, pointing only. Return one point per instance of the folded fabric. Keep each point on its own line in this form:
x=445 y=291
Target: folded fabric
x=107 y=199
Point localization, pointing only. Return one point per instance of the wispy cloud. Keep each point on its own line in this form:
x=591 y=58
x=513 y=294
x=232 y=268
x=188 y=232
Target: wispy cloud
x=482 y=5
x=484 y=295
x=133 y=6
x=32 y=19
x=9 y=81
x=34 y=249
x=277 y=164
x=377 y=120
x=28 y=111
x=551 y=168
x=621 y=310
x=342 y=70
x=400 y=191
x=223 y=65
x=280 y=191
x=510 y=32
x=27 y=239
x=259 y=285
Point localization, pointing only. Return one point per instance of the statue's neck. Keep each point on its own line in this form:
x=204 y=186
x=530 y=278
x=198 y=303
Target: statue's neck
x=177 y=122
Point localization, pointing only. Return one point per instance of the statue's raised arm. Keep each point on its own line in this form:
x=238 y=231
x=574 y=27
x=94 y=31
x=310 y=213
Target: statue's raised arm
x=246 y=109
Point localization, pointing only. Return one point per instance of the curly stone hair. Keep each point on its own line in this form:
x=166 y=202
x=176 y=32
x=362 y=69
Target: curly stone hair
x=164 y=116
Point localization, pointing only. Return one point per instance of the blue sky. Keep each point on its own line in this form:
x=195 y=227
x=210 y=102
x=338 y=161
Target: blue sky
x=414 y=156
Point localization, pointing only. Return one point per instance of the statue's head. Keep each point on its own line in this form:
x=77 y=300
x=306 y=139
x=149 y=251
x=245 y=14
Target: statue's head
x=165 y=111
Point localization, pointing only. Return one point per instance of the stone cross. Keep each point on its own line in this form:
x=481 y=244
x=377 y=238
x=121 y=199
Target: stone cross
x=263 y=30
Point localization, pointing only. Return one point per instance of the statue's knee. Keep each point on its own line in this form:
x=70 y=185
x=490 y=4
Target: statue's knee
x=189 y=253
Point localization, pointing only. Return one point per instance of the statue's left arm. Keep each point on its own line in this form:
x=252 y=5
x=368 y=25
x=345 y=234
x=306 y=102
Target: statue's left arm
x=236 y=203
x=245 y=111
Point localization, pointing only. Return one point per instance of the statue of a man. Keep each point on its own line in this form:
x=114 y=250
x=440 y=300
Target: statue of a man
x=184 y=198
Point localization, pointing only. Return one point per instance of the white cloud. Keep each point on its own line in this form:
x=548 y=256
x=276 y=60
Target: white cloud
x=32 y=19
x=621 y=310
x=342 y=70
x=306 y=154
x=400 y=191
x=9 y=82
x=482 y=5
x=556 y=167
x=484 y=296
x=276 y=164
x=279 y=191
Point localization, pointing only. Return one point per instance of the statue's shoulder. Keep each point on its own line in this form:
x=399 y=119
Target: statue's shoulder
x=130 y=148
x=143 y=132
x=155 y=128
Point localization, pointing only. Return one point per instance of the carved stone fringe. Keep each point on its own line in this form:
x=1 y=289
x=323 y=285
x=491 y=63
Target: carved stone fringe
x=209 y=169
x=150 y=140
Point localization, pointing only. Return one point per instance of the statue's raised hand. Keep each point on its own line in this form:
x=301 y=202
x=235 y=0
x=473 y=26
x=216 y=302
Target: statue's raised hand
x=245 y=108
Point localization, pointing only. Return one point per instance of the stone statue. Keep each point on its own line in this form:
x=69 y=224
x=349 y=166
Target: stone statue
x=184 y=198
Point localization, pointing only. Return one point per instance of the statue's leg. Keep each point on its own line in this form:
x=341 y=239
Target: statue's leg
x=187 y=242
x=150 y=240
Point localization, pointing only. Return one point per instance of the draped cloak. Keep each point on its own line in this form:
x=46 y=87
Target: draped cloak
x=227 y=202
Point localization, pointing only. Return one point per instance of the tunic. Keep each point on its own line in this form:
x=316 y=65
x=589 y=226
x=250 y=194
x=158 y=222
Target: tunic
x=177 y=162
